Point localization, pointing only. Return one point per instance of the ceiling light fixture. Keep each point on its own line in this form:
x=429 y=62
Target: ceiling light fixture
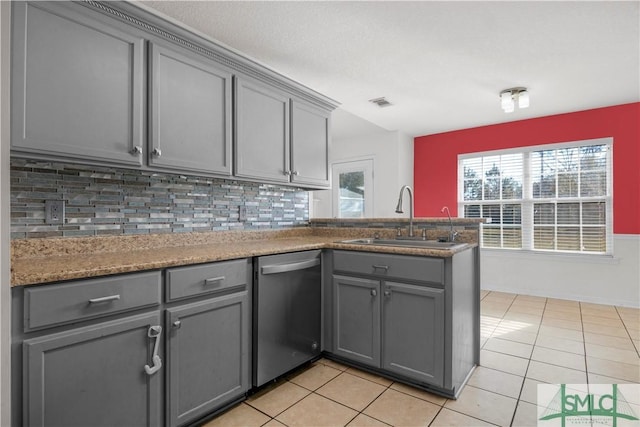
x=509 y=98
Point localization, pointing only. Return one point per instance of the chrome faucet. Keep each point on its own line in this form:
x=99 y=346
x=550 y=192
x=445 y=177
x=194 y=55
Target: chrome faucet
x=399 y=206
x=452 y=234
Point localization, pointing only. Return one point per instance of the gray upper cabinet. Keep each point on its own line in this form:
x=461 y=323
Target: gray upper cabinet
x=93 y=376
x=279 y=139
x=262 y=132
x=190 y=112
x=77 y=85
x=108 y=83
x=309 y=145
x=413 y=331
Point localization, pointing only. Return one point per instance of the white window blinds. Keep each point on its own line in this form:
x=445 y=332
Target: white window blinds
x=553 y=199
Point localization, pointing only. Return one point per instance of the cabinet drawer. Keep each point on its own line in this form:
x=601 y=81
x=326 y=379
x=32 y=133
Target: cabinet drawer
x=421 y=269
x=184 y=282
x=54 y=305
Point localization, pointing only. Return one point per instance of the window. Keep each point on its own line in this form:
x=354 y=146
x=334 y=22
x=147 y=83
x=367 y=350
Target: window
x=353 y=196
x=550 y=198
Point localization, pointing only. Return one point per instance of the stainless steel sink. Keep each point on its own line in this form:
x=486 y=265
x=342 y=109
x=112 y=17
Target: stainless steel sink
x=425 y=244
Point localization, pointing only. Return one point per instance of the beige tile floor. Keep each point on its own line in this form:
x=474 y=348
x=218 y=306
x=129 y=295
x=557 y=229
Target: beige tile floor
x=525 y=341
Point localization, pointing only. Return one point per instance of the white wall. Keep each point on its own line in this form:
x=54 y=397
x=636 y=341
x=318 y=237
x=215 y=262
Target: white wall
x=5 y=288
x=614 y=281
x=392 y=154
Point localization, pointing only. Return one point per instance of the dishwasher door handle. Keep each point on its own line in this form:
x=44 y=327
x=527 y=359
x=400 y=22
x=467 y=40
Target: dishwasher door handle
x=293 y=266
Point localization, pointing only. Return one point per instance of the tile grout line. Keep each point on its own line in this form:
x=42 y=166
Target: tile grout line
x=584 y=345
x=528 y=360
x=284 y=380
x=533 y=347
x=624 y=324
x=386 y=388
x=370 y=403
x=342 y=404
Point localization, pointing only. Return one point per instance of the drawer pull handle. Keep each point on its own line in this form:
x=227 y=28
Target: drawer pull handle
x=213 y=280
x=154 y=332
x=381 y=267
x=104 y=299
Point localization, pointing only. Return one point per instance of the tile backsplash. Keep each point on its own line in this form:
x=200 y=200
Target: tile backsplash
x=101 y=200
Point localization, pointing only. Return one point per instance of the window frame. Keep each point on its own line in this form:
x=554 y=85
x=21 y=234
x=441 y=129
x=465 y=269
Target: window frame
x=527 y=200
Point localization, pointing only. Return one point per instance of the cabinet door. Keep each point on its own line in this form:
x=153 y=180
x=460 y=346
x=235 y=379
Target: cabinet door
x=356 y=319
x=190 y=113
x=261 y=132
x=413 y=331
x=77 y=84
x=309 y=145
x=93 y=376
x=207 y=356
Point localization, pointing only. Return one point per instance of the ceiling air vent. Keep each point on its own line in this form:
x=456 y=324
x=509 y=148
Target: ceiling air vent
x=381 y=102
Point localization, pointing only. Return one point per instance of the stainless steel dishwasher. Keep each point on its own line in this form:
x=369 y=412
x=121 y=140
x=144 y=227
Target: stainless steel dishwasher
x=286 y=321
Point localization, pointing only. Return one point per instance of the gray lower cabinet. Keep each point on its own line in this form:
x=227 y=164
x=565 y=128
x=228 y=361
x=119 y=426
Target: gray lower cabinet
x=411 y=317
x=190 y=111
x=208 y=338
x=207 y=356
x=88 y=352
x=77 y=84
x=112 y=351
x=93 y=376
x=413 y=331
x=356 y=326
x=400 y=329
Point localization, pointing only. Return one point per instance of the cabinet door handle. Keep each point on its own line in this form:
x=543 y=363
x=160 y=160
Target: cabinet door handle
x=296 y=173
x=374 y=292
x=154 y=332
x=177 y=324
x=157 y=152
x=136 y=150
x=104 y=299
x=213 y=280
x=381 y=267
x=387 y=293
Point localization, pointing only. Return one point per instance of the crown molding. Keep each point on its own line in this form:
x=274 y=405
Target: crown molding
x=159 y=27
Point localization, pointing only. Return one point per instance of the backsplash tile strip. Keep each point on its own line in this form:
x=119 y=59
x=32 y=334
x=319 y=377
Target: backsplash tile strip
x=112 y=201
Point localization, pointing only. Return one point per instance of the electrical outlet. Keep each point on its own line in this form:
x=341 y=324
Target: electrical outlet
x=54 y=211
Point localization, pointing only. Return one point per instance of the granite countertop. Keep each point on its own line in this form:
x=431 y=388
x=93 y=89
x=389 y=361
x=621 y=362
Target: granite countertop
x=37 y=261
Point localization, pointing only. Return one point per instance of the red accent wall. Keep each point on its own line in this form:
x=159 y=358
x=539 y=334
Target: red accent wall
x=436 y=156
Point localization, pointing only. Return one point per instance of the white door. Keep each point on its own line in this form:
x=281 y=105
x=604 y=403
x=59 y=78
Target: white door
x=352 y=193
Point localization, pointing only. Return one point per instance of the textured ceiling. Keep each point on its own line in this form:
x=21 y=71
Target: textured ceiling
x=442 y=64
